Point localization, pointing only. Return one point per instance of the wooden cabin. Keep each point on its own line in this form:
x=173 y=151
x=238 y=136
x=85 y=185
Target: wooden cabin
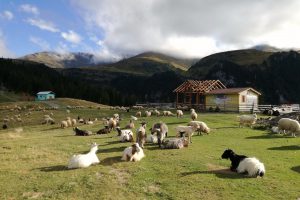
x=212 y=94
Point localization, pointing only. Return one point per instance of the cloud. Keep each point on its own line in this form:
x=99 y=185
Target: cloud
x=4 y=51
x=7 y=15
x=71 y=36
x=42 y=24
x=30 y=9
x=44 y=45
x=191 y=28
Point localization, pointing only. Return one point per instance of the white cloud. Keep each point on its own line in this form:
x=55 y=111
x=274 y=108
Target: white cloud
x=191 y=28
x=7 y=15
x=62 y=48
x=4 y=51
x=71 y=36
x=42 y=24
x=30 y=9
x=44 y=45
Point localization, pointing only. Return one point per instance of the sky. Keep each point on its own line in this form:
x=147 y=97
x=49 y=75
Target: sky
x=114 y=29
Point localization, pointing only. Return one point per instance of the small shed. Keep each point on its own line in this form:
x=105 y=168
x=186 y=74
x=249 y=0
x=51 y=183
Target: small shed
x=45 y=95
x=233 y=99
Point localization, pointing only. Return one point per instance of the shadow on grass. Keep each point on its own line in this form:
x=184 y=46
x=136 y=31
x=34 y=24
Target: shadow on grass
x=296 y=169
x=112 y=142
x=114 y=149
x=52 y=128
x=221 y=173
x=227 y=127
x=267 y=136
x=55 y=168
x=64 y=136
x=110 y=161
x=282 y=148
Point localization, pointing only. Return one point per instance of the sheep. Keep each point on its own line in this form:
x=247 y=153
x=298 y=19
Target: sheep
x=138 y=114
x=147 y=113
x=104 y=130
x=73 y=122
x=116 y=116
x=112 y=123
x=69 y=121
x=194 y=115
x=79 y=132
x=167 y=113
x=126 y=135
x=48 y=120
x=130 y=125
x=290 y=125
x=161 y=130
x=141 y=135
x=156 y=112
x=274 y=129
x=199 y=126
x=89 y=122
x=242 y=164
x=64 y=124
x=175 y=143
x=247 y=120
x=152 y=139
x=179 y=113
x=186 y=131
x=84 y=160
x=133 y=153
x=133 y=118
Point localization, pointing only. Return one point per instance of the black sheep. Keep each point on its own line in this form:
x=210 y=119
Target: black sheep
x=234 y=158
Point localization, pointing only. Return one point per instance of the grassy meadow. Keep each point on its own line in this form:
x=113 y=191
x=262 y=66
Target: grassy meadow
x=33 y=161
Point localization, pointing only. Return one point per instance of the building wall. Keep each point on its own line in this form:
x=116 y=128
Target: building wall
x=247 y=100
x=228 y=102
x=43 y=97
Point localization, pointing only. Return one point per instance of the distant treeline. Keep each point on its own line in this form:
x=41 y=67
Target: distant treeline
x=30 y=77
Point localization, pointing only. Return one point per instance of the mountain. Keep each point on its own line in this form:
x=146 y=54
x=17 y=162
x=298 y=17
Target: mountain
x=266 y=48
x=275 y=75
x=147 y=64
x=62 y=60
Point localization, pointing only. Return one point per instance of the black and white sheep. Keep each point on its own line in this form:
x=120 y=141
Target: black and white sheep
x=125 y=135
x=161 y=130
x=242 y=164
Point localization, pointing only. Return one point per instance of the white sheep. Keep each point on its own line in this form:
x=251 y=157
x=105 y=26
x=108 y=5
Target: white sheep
x=138 y=114
x=73 y=122
x=179 y=113
x=130 y=125
x=133 y=153
x=274 y=129
x=84 y=160
x=69 y=121
x=289 y=125
x=156 y=112
x=64 y=124
x=152 y=139
x=147 y=113
x=112 y=123
x=126 y=135
x=252 y=166
x=175 y=143
x=133 y=118
x=199 y=126
x=194 y=115
x=247 y=120
x=167 y=113
x=186 y=131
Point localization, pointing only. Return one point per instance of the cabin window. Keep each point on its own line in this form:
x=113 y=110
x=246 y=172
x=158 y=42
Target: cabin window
x=243 y=98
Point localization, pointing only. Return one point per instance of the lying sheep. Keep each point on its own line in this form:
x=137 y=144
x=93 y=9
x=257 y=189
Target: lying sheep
x=79 y=132
x=84 y=160
x=125 y=135
x=247 y=120
x=175 y=143
x=152 y=139
x=104 y=130
x=133 y=153
x=199 y=127
x=161 y=130
x=289 y=125
x=130 y=125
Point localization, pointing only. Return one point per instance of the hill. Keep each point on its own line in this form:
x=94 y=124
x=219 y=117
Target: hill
x=62 y=60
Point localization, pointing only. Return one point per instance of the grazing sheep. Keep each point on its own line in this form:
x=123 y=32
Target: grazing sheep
x=167 y=113
x=199 y=127
x=104 y=130
x=138 y=114
x=186 y=131
x=175 y=143
x=179 y=113
x=156 y=112
x=130 y=125
x=84 y=160
x=289 y=125
x=147 y=113
x=79 y=132
x=125 y=135
x=63 y=124
x=247 y=120
x=242 y=164
x=194 y=115
x=141 y=135
x=48 y=120
x=161 y=130
x=133 y=153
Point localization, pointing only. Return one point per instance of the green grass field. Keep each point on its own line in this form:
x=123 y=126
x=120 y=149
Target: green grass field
x=33 y=162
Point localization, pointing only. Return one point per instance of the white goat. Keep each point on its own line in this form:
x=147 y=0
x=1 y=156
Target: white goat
x=84 y=160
